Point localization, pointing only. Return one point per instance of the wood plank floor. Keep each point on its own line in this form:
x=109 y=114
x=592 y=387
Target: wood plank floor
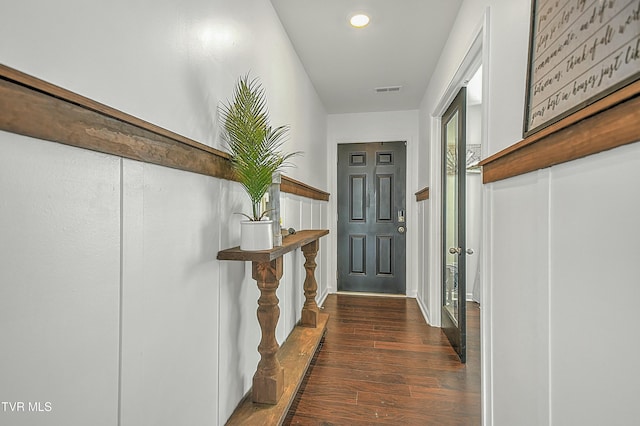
x=382 y=364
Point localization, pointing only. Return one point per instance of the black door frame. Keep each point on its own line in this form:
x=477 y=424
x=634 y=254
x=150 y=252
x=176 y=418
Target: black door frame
x=456 y=333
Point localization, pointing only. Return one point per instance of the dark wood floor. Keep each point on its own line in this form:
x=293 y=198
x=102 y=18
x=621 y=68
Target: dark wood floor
x=382 y=364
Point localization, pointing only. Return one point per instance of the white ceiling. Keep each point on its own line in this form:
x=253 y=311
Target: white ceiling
x=399 y=47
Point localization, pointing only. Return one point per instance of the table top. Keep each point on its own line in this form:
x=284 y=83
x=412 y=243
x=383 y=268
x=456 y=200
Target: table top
x=289 y=243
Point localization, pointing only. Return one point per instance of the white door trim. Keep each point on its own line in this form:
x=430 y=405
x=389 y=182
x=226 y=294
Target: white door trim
x=411 y=208
x=477 y=54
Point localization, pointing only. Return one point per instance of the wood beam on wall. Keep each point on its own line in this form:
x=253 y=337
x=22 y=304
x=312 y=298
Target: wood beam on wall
x=423 y=194
x=293 y=186
x=35 y=108
x=609 y=123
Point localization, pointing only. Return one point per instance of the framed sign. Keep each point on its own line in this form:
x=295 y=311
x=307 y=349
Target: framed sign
x=579 y=52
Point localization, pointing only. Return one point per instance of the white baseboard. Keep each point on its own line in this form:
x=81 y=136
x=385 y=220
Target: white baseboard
x=425 y=311
x=323 y=297
x=364 y=293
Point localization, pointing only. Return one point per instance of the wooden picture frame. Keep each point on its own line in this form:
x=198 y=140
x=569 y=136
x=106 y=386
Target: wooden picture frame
x=580 y=51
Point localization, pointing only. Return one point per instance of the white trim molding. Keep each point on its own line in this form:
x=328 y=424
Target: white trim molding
x=477 y=55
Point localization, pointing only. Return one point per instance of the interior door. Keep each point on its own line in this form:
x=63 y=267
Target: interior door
x=371 y=217
x=453 y=223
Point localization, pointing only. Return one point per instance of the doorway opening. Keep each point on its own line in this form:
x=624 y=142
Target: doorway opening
x=461 y=201
x=477 y=56
x=454 y=251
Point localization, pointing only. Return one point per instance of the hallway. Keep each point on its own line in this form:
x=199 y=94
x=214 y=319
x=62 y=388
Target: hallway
x=382 y=364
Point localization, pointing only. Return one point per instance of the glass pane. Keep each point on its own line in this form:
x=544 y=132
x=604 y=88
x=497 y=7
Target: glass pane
x=451 y=218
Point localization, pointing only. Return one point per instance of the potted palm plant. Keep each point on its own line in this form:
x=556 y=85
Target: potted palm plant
x=256 y=154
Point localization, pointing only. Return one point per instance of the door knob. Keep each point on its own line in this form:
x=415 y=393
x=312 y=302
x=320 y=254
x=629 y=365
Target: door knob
x=401 y=229
x=469 y=251
x=455 y=250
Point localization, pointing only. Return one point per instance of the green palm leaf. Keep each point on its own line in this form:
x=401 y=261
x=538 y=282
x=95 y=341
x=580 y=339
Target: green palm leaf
x=255 y=147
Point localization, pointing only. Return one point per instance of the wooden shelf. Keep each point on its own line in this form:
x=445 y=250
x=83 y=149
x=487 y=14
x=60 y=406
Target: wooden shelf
x=270 y=382
x=295 y=356
x=423 y=194
x=289 y=243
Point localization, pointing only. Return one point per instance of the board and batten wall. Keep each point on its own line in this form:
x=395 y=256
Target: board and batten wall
x=559 y=302
x=113 y=307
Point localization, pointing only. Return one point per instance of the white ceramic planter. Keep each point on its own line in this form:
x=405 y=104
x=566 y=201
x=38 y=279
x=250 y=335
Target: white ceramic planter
x=256 y=235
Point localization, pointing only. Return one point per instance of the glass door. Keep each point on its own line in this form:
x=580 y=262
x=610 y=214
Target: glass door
x=453 y=223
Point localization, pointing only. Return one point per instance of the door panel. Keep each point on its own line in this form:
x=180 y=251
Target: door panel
x=384 y=254
x=358 y=192
x=358 y=254
x=384 y=184
x=453 y=223
x=371 y=206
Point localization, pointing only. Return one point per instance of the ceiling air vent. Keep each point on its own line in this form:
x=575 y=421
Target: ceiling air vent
x=388 y=89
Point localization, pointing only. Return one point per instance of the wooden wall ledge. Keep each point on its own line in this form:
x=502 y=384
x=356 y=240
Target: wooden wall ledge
x=36 y=108
x=295 y=187
x=423 y=194
x=609 y=123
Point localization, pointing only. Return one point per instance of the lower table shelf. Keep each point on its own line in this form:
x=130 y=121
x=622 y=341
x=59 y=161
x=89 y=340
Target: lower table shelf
x=295 y=356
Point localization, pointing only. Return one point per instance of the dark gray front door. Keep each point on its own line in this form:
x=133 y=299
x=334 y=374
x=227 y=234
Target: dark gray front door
x=371 y=217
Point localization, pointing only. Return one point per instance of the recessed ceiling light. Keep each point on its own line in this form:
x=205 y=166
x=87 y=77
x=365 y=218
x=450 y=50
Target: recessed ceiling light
x=359 y=21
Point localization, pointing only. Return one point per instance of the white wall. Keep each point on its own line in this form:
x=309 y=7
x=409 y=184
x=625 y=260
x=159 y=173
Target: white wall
x=594 y=288
x=376 y=127
x=562 y=276
x=113 y=307
x=423 y=254
x=59 y=282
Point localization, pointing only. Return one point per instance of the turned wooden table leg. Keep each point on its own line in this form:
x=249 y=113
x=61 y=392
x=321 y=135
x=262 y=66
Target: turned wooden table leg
x=310 y=308
x=268 y=382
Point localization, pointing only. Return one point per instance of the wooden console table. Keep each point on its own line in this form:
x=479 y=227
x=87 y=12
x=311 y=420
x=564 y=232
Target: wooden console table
x=269 y=381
